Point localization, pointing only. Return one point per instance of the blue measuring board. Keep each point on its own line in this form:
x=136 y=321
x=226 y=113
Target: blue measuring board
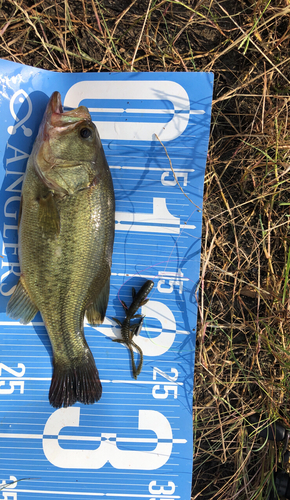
x=136 y=442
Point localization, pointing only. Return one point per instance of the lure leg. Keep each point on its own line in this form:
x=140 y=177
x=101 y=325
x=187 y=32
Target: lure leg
x=137 y=370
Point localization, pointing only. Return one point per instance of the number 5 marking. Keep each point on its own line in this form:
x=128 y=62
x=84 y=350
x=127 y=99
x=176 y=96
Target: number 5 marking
x=13 y=384
x=108 y=450
x=11 y=495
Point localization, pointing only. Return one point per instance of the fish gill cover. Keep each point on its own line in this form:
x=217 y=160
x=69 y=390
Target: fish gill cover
x=136 y=441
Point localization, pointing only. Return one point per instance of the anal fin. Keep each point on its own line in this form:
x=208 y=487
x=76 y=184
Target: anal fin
x=96 y=312
x=20 y=305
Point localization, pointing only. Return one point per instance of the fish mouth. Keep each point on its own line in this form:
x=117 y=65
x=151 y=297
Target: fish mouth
x=54 y=104
x=53 y=108
x=57 y=118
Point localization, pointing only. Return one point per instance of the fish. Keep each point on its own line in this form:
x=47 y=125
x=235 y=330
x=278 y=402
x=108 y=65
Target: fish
x=66 y=236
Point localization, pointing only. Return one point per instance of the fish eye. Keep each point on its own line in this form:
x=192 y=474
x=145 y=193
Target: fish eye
x=85 y=133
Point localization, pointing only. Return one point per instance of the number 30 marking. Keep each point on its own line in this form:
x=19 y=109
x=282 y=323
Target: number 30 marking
x=108 y=450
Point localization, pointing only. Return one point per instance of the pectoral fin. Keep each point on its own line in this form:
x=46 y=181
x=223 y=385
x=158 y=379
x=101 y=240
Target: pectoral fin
x=20 y=305
x=95 y=313
x=48 y=215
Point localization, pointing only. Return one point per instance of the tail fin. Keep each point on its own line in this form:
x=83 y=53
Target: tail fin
x=78 y=382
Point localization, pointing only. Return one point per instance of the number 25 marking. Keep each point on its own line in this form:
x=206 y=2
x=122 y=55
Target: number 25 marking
x=13 y=383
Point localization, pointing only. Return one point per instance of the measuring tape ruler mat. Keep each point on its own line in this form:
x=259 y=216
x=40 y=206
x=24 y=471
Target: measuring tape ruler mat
x=136 y=441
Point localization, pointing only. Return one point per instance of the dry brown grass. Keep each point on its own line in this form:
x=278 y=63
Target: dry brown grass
x=242 y=359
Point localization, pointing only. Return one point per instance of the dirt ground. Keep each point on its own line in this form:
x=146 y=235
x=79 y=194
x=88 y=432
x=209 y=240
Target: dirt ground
x=242 y=360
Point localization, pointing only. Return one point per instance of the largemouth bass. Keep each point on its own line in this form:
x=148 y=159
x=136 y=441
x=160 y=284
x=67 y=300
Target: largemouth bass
x=66 y=234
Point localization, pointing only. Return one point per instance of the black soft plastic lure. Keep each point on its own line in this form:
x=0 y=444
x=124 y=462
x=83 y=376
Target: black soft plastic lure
x=127 y=330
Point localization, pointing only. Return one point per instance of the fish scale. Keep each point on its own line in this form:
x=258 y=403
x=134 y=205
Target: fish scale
x=66 y=235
